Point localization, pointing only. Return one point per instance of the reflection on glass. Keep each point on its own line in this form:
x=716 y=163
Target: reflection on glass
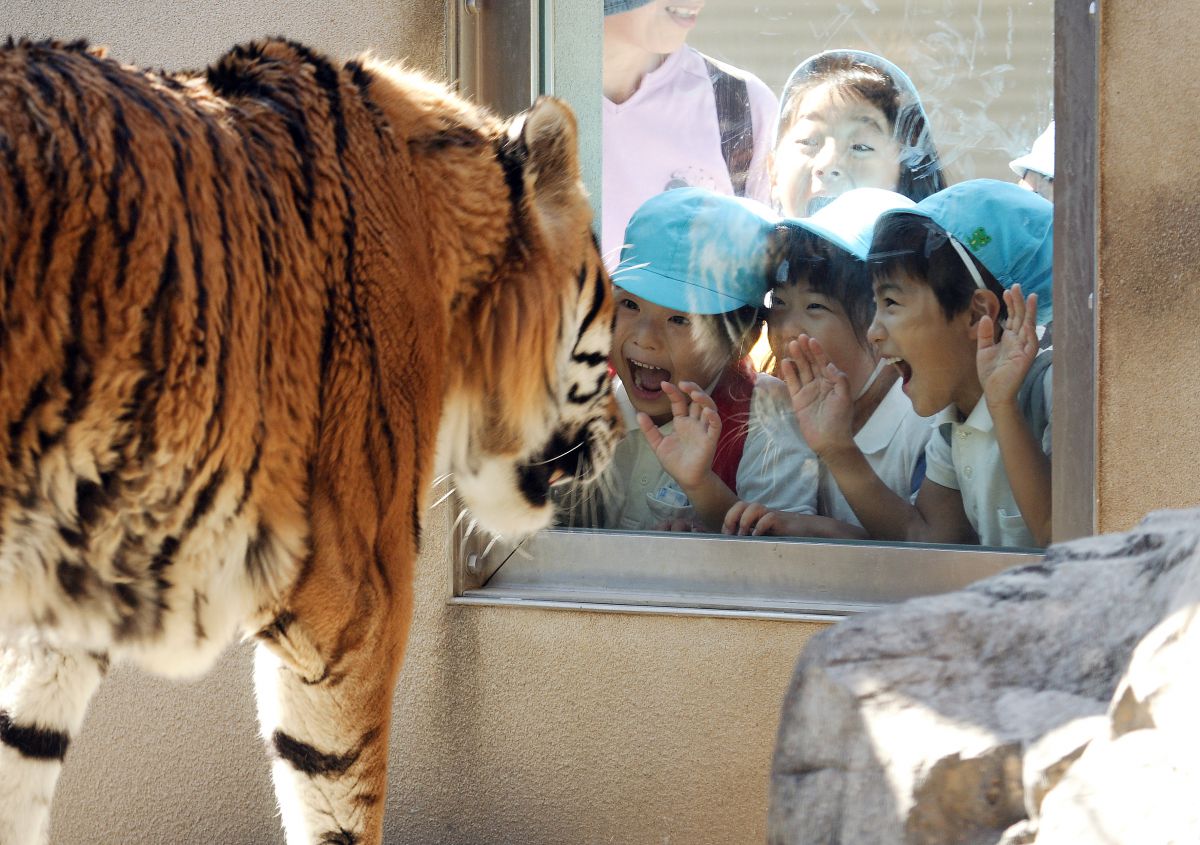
x=905 y=300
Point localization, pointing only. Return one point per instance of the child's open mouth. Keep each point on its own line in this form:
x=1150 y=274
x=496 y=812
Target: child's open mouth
x=904 y=369
x=647 y=379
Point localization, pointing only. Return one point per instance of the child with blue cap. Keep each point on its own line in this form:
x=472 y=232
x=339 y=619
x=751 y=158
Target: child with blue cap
x=689 y=305
x=822 y=296
x=850 y=119
x=960 y=281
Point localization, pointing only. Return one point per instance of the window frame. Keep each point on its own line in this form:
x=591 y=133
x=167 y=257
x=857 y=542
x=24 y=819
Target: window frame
x=799 y=579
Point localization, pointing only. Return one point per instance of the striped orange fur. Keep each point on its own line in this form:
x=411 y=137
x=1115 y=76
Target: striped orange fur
x=240 y=310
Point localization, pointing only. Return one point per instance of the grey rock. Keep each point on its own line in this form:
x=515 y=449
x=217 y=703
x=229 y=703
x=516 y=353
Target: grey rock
x=958 y=718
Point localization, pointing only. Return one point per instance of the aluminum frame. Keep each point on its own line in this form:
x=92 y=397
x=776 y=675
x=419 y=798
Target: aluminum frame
x=805 y=579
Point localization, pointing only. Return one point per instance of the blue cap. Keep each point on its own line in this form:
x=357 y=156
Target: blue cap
x=696 y=251
x=909 y=100
x=615 y=7
x=849 y=220
x=1009 y=229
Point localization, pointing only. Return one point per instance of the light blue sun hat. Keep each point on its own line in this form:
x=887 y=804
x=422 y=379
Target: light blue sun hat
x=697 y=251
x=812 y=66
x=1009 y=229
x=849 y=220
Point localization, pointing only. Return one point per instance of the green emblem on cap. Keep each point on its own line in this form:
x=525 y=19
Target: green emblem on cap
x=979 y=238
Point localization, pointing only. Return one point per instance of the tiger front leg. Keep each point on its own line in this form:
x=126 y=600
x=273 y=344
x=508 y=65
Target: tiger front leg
x=324 y=689
x=44 y=693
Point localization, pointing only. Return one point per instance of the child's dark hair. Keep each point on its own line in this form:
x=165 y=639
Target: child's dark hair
x=920 y=249
x=802 y=256
x=920 y=168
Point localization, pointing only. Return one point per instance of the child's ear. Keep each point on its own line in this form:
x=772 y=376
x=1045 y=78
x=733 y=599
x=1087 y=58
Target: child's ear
x=984 y=303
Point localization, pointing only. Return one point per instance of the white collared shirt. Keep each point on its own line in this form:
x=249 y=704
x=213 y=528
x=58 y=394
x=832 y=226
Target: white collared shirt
x=971 y=463
x=893 y=442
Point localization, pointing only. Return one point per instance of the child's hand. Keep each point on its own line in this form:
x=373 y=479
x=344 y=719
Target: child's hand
x=820 y=394
x=1002 y=366
x=757 y=520
x=687 y=452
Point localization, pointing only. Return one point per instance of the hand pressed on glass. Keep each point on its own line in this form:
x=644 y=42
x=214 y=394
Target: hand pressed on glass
x=1002 y=364
x=820 y=394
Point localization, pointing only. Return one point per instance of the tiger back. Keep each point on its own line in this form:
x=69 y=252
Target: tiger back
x=241 y=310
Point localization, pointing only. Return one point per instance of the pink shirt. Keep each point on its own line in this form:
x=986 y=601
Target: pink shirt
x=666 y=136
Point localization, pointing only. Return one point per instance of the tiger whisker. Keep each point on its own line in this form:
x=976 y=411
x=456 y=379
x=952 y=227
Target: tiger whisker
x=449 y=493
x=461 y=516
x=578 y=445
x=495 y=539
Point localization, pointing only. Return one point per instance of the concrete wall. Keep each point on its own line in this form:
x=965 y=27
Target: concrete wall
x=552 y=726
x=191 y=34
x=1148 y=425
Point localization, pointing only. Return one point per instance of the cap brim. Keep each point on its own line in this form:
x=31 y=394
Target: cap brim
x=676 y=294
x=1027 y=162
x=830 y=235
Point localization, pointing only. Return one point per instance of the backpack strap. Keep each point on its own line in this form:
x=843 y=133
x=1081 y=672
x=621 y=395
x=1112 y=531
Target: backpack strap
x=735 y=121
x=733 y=395
x=1031 y=398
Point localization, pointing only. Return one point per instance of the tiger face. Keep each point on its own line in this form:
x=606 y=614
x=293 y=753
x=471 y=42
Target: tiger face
x=545 y=417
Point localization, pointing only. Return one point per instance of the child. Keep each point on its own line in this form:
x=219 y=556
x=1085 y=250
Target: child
x=823 y=292
x=673 y=117
x=952 y=318
x=850 y=119
x=1035 y=169
x=687 y=307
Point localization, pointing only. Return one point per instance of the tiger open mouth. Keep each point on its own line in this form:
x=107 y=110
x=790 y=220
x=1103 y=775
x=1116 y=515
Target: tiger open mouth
x=560 y=462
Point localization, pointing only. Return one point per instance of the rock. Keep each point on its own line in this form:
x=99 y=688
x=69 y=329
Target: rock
x=959 y=718
x=1048 y=757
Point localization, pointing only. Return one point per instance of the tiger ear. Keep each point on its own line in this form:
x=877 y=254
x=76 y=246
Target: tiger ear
x=548 y=136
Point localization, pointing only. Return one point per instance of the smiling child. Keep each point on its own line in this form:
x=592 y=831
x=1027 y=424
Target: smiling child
x=960 y=281
x=822 y=294
x=689 y=303
x=850 y=119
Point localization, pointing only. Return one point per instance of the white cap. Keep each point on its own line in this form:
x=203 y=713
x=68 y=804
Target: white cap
x=1040 y=159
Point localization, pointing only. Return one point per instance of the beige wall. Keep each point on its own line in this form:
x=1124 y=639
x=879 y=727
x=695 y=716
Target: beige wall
x=1148 y=428
x=531 y=726
x=180 y=35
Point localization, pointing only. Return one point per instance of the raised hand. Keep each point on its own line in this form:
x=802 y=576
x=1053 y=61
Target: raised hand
x=687 y=452
x=1002 y=365
x=820 y=394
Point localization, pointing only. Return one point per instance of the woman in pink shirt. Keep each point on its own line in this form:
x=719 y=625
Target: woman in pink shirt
x=674 y=117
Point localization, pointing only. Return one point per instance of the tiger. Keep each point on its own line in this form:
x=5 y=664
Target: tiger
x=247 y=314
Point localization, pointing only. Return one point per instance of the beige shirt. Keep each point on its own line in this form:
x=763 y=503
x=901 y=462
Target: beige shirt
x=777 y=467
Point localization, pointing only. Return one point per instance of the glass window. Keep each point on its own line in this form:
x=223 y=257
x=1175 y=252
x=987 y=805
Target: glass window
x=923 y=95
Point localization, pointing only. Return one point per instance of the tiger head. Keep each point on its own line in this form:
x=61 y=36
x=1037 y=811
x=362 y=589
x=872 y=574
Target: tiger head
x=528 y=403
